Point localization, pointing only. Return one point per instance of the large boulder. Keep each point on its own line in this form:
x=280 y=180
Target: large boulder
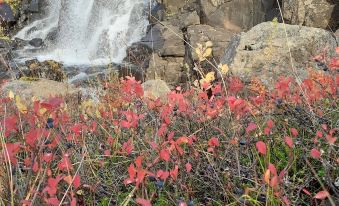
x=312 y=13
x=267 y=52
x=236 y=15
x=156 y=88
x=39 y=88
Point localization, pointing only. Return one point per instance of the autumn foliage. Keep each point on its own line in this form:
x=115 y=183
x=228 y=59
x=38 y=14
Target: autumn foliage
x=222 y=142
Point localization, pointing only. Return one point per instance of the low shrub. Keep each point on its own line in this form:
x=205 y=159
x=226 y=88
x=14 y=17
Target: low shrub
x=216 y=143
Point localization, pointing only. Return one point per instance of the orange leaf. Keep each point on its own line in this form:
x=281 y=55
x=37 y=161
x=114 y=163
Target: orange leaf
x=322 y=195
x=274 y=181
x=68 y=179
x=267 y=176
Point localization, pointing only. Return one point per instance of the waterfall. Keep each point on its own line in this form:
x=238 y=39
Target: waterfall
x=79 y=32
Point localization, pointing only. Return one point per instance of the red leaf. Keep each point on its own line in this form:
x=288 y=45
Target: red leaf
x=289 y=141
x=182 y=203
x=53 y=201
x=270 y=123
x=174 y=172
x=12 y=150
x=47 y=157
x=315 y=153
x=272 y=168
x=32 y=136
x=131 y=171
x=143 y=202
x=77 y=128
x=165 y=155
x=274 y=181
x=138 y=162
x=188 y=167
x=322 y=195
x=107 y=152
x=52 y=184
x=213 y=142
x=267 y=131
x=307 y=192
x=286 y=201
x=35 y=167
x=10 y=124
x=294 y=132
x=162 y=174
x=331 y=139
x=76 y=181
x=324 y=126
x=319 y=134
x=261 y=147
x=65 y=163
x=252 y=126
x=26 y=202
x=140 y=177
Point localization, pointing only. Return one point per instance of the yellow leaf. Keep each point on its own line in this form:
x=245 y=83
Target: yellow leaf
x=209 y=44
x=199 y=53
x=97 y=113
x=11 y=95
x=209 y=77
x=207 y=52
x=21 y=107
x=224 y=68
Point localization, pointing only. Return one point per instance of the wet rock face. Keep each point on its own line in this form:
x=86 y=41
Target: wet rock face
x=48 y=70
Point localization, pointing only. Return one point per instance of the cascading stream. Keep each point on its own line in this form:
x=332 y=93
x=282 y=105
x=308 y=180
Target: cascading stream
x=87 y=32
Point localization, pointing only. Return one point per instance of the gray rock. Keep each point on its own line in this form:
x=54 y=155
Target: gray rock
x=165 y=39
x=42 y=89
x=203 y=33
x=36 y=42
x=265 y=51
x=191 y=19
x=236 y=15
x=156 y=88
x=6 y=13
x=312 y=13
x=169 y=69
x=34 y=6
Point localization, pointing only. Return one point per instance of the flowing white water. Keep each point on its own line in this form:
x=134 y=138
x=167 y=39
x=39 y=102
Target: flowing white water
x=87 y=31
